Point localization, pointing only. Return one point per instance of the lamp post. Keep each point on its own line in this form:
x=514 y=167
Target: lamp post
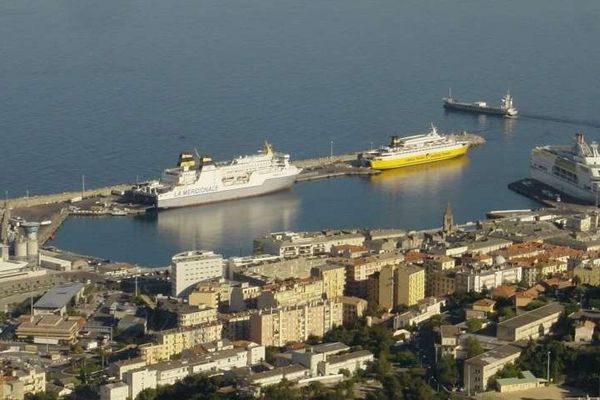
x=331 y=149
x=548 y=369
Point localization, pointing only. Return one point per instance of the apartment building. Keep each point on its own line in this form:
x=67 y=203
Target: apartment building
x=188 y=316
x=333 y=277
x=409 y=285
x=191 y=267
x=175 y=341
x=278 y=326
x=440 y=282
x=477 y=278
x=168 y=373
x=359 y=269
x=536 y=269
x=291 y=292
x=479 y=369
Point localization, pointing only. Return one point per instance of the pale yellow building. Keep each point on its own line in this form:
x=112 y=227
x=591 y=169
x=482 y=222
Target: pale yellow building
x=278 y=326
x=175 y=341
x=410 y=285
x=359 y=269
x=192 y=316
x=334 y=279
x=291 y=292
x=211 y=293
x=208 y=296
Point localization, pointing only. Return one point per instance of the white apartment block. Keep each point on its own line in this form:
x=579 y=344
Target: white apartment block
x=489 y=278
x=191 y=267
x=168 y=373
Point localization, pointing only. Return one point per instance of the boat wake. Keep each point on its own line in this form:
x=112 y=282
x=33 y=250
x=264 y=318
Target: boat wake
x=561 y=120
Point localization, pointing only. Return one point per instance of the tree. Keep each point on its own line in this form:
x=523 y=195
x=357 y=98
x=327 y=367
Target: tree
x=534 y=304
x=436 y=321
x=473 y=347
x=505 y=313
x=147 y=394
x=446 y=372
x=284 y=390
x=474 y=325
x=382 y=366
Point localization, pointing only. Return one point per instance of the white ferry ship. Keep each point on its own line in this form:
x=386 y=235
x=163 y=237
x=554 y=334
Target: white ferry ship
x=415 y=149
x=574 y=170
x=200 y=181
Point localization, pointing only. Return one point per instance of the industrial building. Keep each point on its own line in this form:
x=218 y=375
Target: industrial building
x=530 y=325
x=58 y=299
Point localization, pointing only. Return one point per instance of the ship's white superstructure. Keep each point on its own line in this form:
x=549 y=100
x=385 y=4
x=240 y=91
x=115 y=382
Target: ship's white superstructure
x=197 y=182
x=574 y=170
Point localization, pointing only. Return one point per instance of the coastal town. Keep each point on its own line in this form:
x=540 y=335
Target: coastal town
x=456 y=311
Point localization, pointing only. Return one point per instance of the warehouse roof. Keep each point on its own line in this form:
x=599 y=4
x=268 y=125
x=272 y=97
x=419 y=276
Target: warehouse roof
x=532 y=316
x=59 y=296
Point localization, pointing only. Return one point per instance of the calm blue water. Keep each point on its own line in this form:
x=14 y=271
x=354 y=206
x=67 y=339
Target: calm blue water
x=115 y=89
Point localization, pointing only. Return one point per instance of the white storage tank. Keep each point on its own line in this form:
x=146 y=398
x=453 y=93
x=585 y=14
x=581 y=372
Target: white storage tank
x=20 y=248
x=32 y=248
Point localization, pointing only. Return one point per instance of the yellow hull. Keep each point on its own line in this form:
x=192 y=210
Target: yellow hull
x=405 y=161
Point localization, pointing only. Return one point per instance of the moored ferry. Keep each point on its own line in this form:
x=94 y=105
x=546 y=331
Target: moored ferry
x=199 y=180
x=574 y=170
x=415 y=149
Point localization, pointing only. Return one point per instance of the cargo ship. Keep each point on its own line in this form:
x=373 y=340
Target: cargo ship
x=199 y=180
x=413 y=150
x=574 y=170
x=506 y=108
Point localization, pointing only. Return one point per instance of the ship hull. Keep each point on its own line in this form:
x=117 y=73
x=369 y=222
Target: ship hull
x=562 y=185
x=270 y=185
x=475 y=109
x=423 y=158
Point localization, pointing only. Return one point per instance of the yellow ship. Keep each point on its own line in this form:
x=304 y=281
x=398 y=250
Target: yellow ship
x=414 y=150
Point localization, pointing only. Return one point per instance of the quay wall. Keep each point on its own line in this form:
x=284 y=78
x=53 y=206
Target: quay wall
x=38 y=200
